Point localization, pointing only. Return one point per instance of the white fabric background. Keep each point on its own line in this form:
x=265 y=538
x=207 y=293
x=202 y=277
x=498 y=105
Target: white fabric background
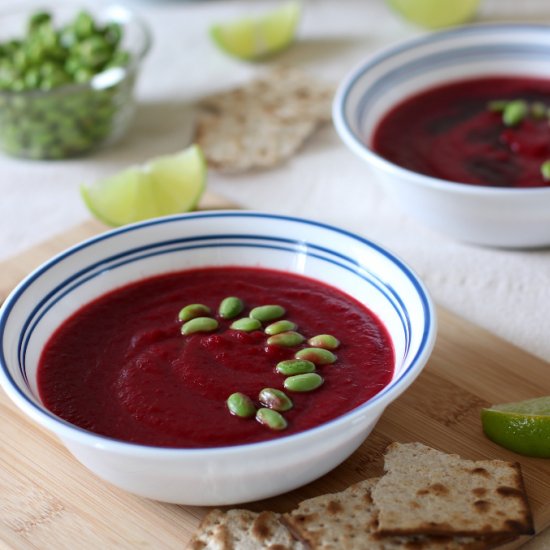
x=507 y=292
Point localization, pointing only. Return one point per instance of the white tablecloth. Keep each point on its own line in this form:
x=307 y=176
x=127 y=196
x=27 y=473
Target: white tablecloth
x=507 y=292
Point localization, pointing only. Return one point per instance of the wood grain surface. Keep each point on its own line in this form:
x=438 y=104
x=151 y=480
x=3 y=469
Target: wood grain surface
x=48 y=500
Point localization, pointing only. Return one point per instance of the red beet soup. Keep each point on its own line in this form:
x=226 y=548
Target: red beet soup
x=458 y=132
x=121 y=366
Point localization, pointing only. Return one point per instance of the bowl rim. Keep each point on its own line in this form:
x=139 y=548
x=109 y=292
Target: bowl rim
x=350 y=138
x=65 y=429
x=104 y=79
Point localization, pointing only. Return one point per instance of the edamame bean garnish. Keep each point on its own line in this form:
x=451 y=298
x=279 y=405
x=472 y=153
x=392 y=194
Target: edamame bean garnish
x=271 y=418
x=304 y=382
x=193 y=310
x=241 y=405
x=273 y=398
x=230 y=307
x=267 y=312
x=318 y=356
x=286 y=339
x=199 y=324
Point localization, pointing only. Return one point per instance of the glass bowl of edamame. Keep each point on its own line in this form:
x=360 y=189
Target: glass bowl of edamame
x=67 y=78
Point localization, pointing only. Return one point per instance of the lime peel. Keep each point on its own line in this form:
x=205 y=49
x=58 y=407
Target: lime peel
x=163 y=186
x=522 y=427
x=254 y=38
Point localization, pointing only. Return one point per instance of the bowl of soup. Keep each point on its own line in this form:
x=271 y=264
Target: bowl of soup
x=217 y=357
x=454 y=126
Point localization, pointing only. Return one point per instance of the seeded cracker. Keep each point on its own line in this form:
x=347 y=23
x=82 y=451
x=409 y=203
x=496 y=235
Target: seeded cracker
x=430 y=492
x=262 y=123
x=347 y=520
x=243 y=530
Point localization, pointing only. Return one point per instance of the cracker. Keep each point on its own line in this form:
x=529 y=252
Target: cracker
x=348 y=520
x=243 y=530
x=262 y=123
x=430 y=492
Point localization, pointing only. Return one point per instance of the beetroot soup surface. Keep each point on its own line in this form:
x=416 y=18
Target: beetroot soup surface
x=121 y=367
x=449 y=133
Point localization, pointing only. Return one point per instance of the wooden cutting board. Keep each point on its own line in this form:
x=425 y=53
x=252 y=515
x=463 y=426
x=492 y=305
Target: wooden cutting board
x=48 y=500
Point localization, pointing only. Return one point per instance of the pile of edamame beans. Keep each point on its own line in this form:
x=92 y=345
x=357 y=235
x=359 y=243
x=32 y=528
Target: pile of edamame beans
x=48 y=109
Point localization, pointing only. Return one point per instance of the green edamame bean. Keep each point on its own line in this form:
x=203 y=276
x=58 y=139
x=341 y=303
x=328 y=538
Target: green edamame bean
x=199 y=324
x=191 y=311
x=230 y=307
x=514 y=112
x=246 y=324
x=318 y=356
x=280 y=326
x=303 y=382
x=290 y=367
x=241 y=405
x=272 y=419
x=275 y=399
x=286 y=339
x=545 y=170
x=325 y=341
x=267 y=312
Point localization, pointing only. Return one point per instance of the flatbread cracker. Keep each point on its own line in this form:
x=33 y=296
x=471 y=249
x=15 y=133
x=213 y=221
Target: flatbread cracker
x=243 y=530
x=430 y=492
x=348 y=520
x=262 y=123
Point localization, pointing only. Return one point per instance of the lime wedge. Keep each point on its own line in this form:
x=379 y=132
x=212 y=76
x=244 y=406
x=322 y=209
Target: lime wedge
x=434 y=14
x=163 y=186
x=255 y=38
x=522 y=427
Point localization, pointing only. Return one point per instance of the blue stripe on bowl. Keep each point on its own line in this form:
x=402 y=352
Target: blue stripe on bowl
x=332 y=256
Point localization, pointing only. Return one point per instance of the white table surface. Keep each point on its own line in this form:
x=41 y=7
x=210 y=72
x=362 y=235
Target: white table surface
x=507 y=292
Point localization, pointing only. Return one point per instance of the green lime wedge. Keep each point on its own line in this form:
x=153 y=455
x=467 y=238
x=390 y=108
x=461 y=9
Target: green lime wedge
x=253 y=38
x=522 y=427
x=165 y=185
x=434 y=14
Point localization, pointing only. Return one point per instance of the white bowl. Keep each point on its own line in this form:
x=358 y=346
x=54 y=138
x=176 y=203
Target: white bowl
x=476 y=214
x=240 y=473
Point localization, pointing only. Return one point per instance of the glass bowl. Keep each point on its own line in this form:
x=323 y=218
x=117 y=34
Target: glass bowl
x=75 y=118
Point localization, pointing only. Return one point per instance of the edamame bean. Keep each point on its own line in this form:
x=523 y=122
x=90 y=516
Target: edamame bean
x=286 y=339
x=545 y=170
x=290 y=367
x=199 y=324
x=515 y=112
x=241 y=405
x=267 y=312
x=246 y=324
x=325 y=341
x=318 y=356
x=230 y=307
x=191 y=311
x=303 y=382
x=272 y=419
x=275 y=399
x=280 y=326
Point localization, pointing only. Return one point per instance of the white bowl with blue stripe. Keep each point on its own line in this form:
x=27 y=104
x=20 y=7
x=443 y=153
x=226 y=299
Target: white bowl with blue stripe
x=240 y=473
x=483 y=215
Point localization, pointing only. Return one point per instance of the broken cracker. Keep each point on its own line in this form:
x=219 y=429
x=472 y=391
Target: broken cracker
x=430 y=492
x=262 y=123
x=243 y=530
